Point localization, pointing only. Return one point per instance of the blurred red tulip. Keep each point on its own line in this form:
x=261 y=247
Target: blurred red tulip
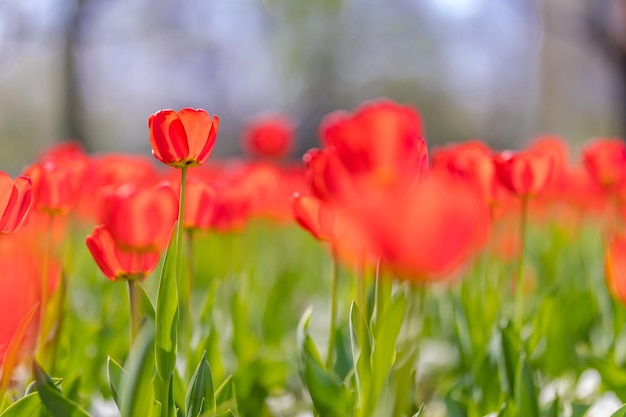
x=429 y=233
x=140 y=217
x=199 y=204
x=314 y=216
x=20 y=287
x=615 y=267
x=15 y=201
x=118 y=262
x=183 y=138
x=524 y=173
x=380 y=146
x=269 y=136
x=472 y=161
x=58 y=179
x=605 y=159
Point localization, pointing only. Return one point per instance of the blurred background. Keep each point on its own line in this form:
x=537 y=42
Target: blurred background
x=499 y=70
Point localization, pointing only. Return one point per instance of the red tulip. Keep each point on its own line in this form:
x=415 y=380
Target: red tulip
x=615 y=267
x=183 y=138
x=118 y=262
x=605 y=159
x=199 y=204
x=58 y=179
x=524 y=173
x=430 y=232
x=15 y=201
x=379 y=147
x=314 y=216
x=269 y=136
x=20 y=288
x=140 y=218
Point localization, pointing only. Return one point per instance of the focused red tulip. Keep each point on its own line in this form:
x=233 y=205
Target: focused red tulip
x=184 y=138
x=524 y=173
x=140 y=217
x=15 y=201
x=615 y=267
x=118 y=262
x=269 y=136
x=605 y=159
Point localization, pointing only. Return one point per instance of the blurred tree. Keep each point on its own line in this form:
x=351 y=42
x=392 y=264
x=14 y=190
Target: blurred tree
x=607 y=24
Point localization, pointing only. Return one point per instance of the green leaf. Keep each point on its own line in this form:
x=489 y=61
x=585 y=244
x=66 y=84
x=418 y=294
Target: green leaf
x=526 y=398
x=613 y=376
x=200 y=395
x=166 y=318
x=28 y=406
x=361 y=343
x=579 y=410
x=621 y=412
x=115 y=376
x=13 y=352
x=146 y=303
x=329 y=395
x=138 y=395
x=553 y=408
x=510 y=347
x=419 y=411
x=225 y=395
x=52 y=398
x=386 y=330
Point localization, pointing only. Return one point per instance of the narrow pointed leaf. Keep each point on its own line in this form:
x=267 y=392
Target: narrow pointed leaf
x=115 y=376
x=28 y=406
x=200 y=395
x=138 y=394
x=167 y=313
x=52 y=398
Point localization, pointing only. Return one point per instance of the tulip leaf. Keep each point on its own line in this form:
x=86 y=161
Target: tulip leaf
x=329 y=395
x=146 y=303
x=52 y=398
x=225 y=395
x=138 y=394
x=27 y=406
x=526 y=398
x=115 y=376
x=167 y=313
x=200 y=395
x=361 y=343
x=621 y=412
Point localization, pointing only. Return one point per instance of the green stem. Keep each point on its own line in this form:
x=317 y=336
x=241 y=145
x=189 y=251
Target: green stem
x=519 y=294
x=165 y=395
x=179 y=237
x=333 y=312
x=134 y=310
x=189 y=285
x=45 y=279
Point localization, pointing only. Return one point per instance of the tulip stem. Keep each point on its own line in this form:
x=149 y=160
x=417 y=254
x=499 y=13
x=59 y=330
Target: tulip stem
x=45 y=283
x=179 y=237
x=134 y=310
x=333 y=311
x=519 y=293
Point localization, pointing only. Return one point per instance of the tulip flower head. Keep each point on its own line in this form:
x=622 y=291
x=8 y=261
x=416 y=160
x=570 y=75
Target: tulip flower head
x=15 y=201
x=605 y=160
x=269 y=136
x=184 y=138
x=524 y=173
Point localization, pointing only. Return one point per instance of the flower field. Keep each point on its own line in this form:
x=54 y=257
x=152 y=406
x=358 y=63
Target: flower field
x=379 y=277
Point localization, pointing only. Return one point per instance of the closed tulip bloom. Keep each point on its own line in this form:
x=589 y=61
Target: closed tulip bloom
x=15 y=201
x=314 y=216
x=140 y=217
x=118 y=262
x=524 y=173
x=615 y=267
x=184 y=138
x=269 y=136
x=605 y=160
